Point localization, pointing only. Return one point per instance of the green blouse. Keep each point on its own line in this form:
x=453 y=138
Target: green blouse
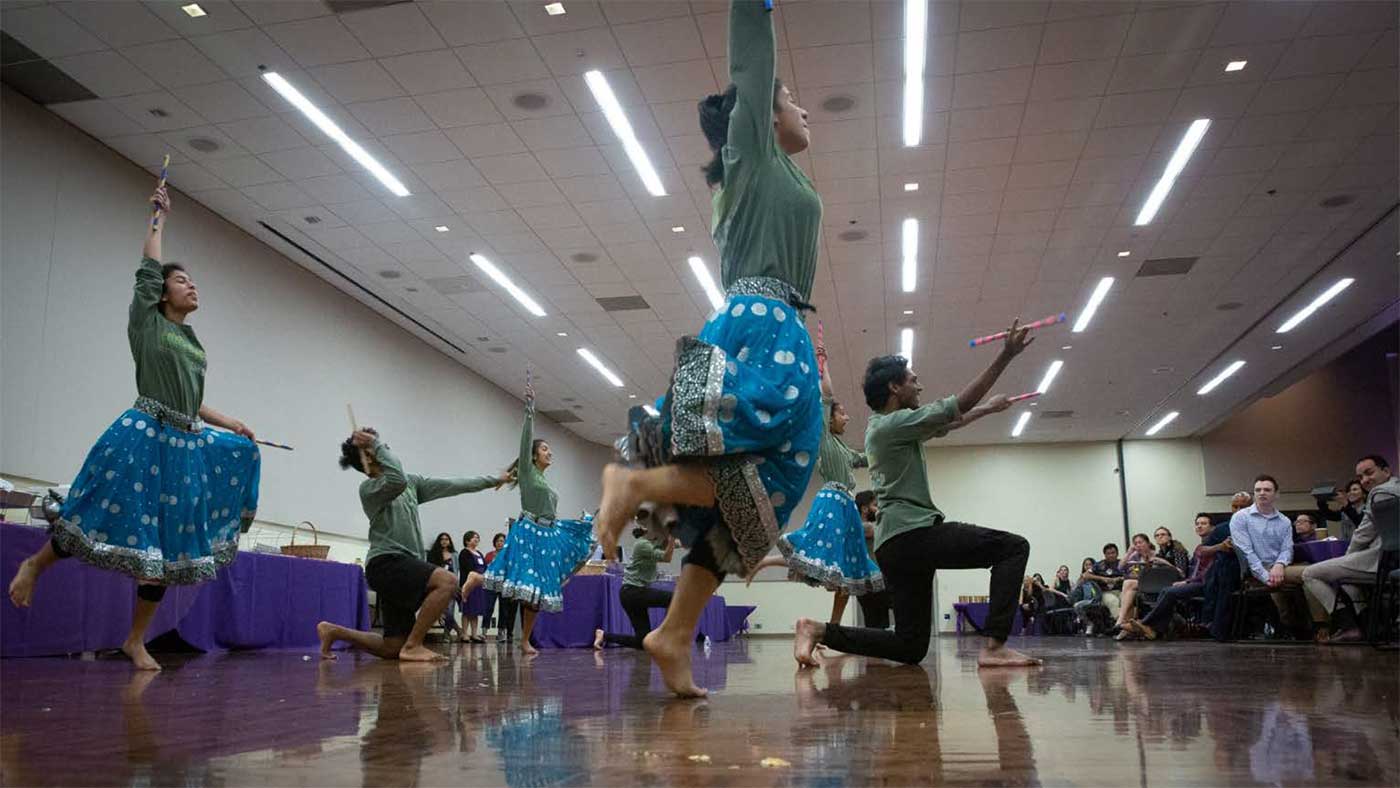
x=536 y=496
x=391 y=500
x=767 y=216
x=834 y=458
x=169 y=360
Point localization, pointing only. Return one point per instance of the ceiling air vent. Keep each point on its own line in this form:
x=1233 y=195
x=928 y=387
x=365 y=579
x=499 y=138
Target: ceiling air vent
x=455 y=285
x=1166 y=266
x=623 y=303
x=496 y=349
x=1338 y=200
x=839 y=104
x=852 y=236
x=203 y=144
x=561 y=416
x=311 y=219
x=1057 y=414
x=390 y=273
x=1228 y=306
x=348 y=6
x=584 y=257
x=530 y=102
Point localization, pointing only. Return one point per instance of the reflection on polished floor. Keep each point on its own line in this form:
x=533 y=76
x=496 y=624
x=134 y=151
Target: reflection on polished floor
x=1098 y=713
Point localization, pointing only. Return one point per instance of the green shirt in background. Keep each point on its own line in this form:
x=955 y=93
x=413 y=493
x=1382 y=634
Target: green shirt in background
x=894 y=445
x=391 y=500
x=169 y=360
x=536 y=496
x=641 y=568
x=767 y=216
x=835 y=459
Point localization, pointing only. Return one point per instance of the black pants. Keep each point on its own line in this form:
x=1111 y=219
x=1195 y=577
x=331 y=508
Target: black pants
x=876 y=609
x=637 y=600
x=505 y=615
x=1160 y=617
x=909 y=561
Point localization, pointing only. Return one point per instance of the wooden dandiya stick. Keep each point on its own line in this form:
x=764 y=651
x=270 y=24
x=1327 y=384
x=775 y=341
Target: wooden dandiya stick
x=274 y=445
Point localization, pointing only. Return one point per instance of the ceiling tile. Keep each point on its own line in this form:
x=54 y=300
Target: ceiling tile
x=1044 y=117
x=1071 y=80
x=471 y=23
x=271 y=12
x=362 y=80
x=174 y=63
x=317 y=42
x=243 y=171
x=1246 y=22
x=175 y=114
x=422 y=147
x=298 y=163
x=278 y=196
x=363 y=212
x=222 y=102
x=97 y=117
x=573 y=162
x=450 y=175
x=510 y=169
x=1152 y=72
x=1294 y=95
x=428 y=72
x=1172 y=28
x=506 y=98
x=49 y=32
x=107 y=74
x=491 y=139
x=393 y=30
x=989 y=50
x=578 y=51
x=987 y=88
x=334 y=189
x=263 y=135
x=563 y=131
x=988 y=123
x=391 y=116
x=119 y=23
x=503 y=62
x=1084 y=39
x=820 y=23
x=241 y=52
x=674 y=81
x=1130 y=109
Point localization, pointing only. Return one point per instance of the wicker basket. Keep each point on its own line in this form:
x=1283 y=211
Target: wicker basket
x=313 y=550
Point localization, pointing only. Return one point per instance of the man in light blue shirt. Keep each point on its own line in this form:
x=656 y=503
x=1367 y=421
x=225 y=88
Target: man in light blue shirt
x=1262 y=535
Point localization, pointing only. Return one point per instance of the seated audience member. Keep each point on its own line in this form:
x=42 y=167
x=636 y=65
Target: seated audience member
x=1170 y=552
x=1355 y=501
x=1157 y=623
x=1305 y=528
x=1108 y=574
x=1087 y=599
x=1264 y=538
x=1059 y=592
x=1135 y=563
x=1361 y=560
x=1030 y=604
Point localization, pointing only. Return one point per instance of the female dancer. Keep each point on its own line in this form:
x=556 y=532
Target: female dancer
x=444 y=554
x=636 y=595
x=739 y=428
x=829 y=549
x=478 y=604
x=540 y=552
x=161 y=496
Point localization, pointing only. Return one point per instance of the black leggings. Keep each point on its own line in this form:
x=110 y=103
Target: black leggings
x=637 y=600
x=876 y=609
x=144 y=591
x=909 y=561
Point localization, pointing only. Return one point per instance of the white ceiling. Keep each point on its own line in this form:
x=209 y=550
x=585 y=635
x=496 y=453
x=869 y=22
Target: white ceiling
x=1046 y=124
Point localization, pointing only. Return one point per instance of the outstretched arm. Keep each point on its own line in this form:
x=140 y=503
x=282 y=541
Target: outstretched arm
x=996 y=404
x=1017 y=340
x=431 y=488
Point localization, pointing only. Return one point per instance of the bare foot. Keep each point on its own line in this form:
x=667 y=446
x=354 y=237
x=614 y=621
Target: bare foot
x=326 y=632
x=597 y=640
x=807 y=633
x=139 y=656
x=1003 y=657
x=674 y=661
x=22 y=587
x=527 y=649
x=419 y=653
x=619 y=505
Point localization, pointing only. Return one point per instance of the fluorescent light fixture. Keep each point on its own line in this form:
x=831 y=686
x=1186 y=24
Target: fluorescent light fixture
x=1050 y=376
x=561 y=333
x=911 y=187
x=1124 y=253
x=1175 y=165
x=1021 y=423
x=330 y=129
x=651 y=410
x=908 y=311
x=906 y=344
x=1105 y=284
x=554 y=9
x=910 y=246
x=1306 y=312
x=499 y=277
x=678 y=229
x=1236 y=65
x=612 y=110
x=598 y=365
x=1066 y=347
x=702 y=272
x=1276 y=347
x=1167 y=419
x=1218 y=379
x=915 y=44
x=442 y=228
x=193 y=10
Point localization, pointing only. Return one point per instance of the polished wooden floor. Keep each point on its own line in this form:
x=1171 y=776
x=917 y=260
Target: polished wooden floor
x=1098 y=713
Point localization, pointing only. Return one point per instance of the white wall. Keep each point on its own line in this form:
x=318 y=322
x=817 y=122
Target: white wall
x=286 y=350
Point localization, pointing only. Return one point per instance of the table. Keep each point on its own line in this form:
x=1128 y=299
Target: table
x=1313 y=552
x=976 y=613
x=258 y=601
x=590 y=603
x=738 y=617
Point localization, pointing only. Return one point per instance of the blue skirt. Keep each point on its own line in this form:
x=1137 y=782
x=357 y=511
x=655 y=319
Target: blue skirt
x=745 y=398
x=538 y=557
x=829 y=549
x=161 y=503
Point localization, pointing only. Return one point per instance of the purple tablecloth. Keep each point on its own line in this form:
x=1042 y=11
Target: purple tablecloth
x=258 y=601
x=590 y=602
x=738 y=617
x=1312 y=552
x=976 y=612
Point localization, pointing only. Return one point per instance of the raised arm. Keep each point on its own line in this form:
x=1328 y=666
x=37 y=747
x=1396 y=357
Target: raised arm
x=378 y=492
x=1017 y=340
x=431 y=488
x=752 y=69
x=525 y=467
x=154 y=230
x=670 y=549
x=996 y=404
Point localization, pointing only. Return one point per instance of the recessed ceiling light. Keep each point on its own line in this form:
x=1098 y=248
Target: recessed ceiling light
x=1093 y=306
x=910 y=247
x=915 y=45
x=561 y=333
x=330 y=129
x=702 y=273
x=1167 y=419
x=193 y=10
x=612 y=110
x=906 y=344
x=911 y=187
x=631 y=396
x=1316 y=304
x=554 y=9
x=1218 y=379
x=908 y=311
x=499 y=277
x=1021 y=424
x=1276 y=347
x=1066 y=347
x=442 y=228
x=1124 y=253
x=1050 y=374
x=597 y=364
x=1175 y=165
x=1236 y=65
x=678 y=229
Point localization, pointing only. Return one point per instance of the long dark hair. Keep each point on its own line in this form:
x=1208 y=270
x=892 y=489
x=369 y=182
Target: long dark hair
x=437 y=542
x=714 y=123
x=514 y=466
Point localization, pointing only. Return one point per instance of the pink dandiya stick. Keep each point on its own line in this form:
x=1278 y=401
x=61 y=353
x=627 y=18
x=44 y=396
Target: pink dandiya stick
x=1042 y=323
x=1026 y=396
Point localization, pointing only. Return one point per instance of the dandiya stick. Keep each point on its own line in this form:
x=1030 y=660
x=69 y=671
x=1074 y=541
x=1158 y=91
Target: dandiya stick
x=1026 y=396
x=155 y=209
x=1042 y=323
x=350 y=411
x=274 y=445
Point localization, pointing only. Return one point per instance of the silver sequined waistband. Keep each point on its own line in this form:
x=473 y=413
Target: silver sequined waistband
x=544 y=520
x=768 y=287
x=838 y=487
x=167 y=415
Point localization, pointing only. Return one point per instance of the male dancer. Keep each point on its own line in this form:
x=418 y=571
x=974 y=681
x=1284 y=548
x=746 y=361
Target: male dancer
x=913 y=540
x=412 y=592
x=636 y=595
